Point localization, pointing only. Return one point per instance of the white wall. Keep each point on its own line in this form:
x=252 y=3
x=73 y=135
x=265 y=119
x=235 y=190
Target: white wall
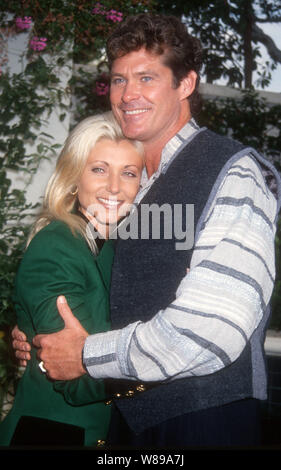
x=210 y=91
x=17 y=45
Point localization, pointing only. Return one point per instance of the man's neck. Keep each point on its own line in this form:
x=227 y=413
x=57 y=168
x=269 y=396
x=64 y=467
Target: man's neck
x=152 y=158
x=153 y=149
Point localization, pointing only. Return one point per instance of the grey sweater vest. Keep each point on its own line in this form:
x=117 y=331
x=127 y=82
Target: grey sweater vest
x=145 y=277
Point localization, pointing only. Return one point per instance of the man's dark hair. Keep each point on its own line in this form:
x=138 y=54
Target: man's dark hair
x=160 y=34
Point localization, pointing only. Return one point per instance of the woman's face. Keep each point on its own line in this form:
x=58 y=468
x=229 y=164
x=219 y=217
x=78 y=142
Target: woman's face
x=110 y=182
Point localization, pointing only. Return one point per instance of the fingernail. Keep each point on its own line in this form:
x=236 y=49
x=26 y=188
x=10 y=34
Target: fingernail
x=61 y=300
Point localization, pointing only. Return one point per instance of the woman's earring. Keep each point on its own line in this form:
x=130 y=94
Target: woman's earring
x=73 y=193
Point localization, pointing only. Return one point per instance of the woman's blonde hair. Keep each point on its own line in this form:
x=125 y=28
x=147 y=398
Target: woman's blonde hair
x=60 y=195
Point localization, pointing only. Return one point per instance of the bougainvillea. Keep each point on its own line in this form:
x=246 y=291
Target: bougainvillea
x=115 y=16
x=38 y=44
x=102 y=88
x=23 y=23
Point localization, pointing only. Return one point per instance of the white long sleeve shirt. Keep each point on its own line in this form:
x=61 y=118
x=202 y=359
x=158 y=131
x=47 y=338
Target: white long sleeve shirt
x=220 y=301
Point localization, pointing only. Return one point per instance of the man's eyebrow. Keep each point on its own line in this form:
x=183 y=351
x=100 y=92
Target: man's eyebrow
x=148 y=72
x=139 y=73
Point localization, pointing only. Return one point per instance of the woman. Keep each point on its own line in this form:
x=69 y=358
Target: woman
x=95 y=181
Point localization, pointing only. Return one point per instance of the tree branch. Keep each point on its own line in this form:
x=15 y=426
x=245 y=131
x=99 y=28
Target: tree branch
x=259 y=36
x=268 y=19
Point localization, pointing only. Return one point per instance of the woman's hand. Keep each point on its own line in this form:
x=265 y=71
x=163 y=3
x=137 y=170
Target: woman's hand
x=21 y=346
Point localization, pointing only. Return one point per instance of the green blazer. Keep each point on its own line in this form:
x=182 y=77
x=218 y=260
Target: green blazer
x=57 y=262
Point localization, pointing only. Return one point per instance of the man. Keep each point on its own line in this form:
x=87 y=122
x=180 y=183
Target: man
x=205 y=327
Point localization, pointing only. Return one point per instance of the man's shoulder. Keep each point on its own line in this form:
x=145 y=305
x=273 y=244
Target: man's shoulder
x=221 y=141
x=210 y=149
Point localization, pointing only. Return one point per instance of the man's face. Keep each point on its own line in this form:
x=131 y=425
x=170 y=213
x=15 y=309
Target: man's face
x=143 y=99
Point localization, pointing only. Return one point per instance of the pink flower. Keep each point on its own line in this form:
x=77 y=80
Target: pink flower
x=23 y=23
x=114 y=16
x=99 y=9
x=38 y=44
x=101 y=88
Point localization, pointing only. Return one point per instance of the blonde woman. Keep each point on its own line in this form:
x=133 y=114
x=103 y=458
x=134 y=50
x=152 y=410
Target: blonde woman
x=96 y=178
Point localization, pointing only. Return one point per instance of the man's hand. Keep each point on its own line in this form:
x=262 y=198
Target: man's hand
x=61 y=352
x=21 y=346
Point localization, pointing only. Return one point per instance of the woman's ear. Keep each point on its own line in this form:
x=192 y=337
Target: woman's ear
x=188 y=84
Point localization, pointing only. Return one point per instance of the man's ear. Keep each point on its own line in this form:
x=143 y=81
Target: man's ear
x=188 y=84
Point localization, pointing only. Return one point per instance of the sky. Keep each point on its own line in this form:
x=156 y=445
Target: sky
x=274 y=31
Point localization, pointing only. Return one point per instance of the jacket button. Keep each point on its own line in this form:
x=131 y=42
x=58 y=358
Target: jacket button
x=108 y=402
x=118 y=395
x=130 y=393
x=100 y=443
x=140 y=388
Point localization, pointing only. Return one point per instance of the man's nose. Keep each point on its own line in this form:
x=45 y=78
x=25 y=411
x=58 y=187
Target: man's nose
x=130 y=92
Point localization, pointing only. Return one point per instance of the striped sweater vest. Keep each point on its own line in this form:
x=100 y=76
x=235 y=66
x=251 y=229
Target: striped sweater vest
x=145 y=277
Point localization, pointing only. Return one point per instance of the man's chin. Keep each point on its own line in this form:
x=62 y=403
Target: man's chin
x=132 y=132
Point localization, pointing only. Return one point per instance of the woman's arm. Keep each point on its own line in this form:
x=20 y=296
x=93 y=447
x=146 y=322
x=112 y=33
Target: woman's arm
x=57 y=263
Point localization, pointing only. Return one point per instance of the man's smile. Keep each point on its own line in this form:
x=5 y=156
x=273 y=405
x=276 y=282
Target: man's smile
x=135 y=111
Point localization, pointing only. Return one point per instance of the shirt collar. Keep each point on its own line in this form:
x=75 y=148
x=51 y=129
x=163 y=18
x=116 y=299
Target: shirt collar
x=168 y=152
